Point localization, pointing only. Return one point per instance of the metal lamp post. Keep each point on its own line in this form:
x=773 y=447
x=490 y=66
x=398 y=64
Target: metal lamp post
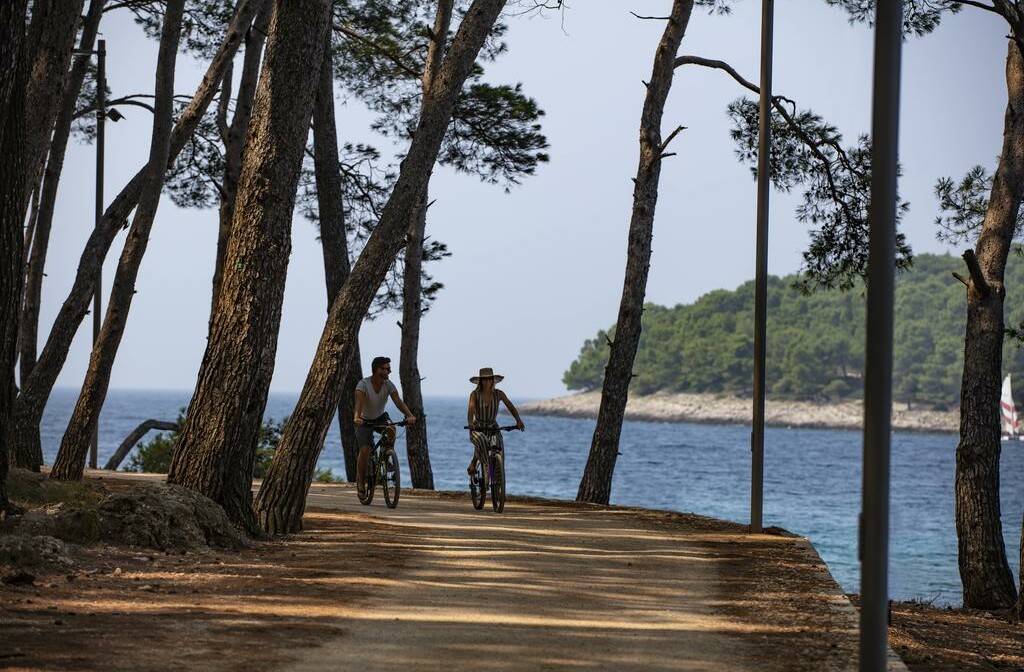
x=874 y=533
x=761 y=273
x=101 y=117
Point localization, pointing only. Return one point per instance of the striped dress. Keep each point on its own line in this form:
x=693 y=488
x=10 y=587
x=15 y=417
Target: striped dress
x=485 y=415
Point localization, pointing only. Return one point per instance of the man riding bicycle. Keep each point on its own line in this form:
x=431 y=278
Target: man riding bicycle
x=372 y=395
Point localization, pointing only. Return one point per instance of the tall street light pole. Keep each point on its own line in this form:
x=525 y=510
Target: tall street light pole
x=874 y=536
x=97 y=306
x=101 y=118
x=761 y=273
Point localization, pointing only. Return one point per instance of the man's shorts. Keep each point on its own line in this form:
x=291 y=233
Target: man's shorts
x=364 y=434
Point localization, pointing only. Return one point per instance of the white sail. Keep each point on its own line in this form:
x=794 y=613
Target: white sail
x=1008 y=410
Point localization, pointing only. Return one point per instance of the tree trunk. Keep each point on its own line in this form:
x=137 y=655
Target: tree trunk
x=984 y=571
x=29 y=406
x=234 y=139
x=334 y=242
x=74 y=447
x=1020 y=573
x=420 y=473
x=216 y=448
x=282 y=499
x=51 y=41
x=48 y=200
x=12 y=209
x=134 y=437
x=596 y=485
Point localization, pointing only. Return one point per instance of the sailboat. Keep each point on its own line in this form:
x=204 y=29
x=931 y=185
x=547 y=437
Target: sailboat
x=1011 y=427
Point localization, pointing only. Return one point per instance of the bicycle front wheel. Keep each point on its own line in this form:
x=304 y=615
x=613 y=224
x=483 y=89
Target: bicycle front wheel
x=498 y=482
x=477 y=489
x=392 y=484
x=369 y=482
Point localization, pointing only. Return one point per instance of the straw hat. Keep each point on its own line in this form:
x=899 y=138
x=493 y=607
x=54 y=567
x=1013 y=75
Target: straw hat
x=486 y=372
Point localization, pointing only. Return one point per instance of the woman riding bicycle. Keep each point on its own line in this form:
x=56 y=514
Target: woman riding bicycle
x=483 y=412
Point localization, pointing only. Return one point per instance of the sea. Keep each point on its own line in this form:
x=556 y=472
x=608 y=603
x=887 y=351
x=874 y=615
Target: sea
x=812 y=477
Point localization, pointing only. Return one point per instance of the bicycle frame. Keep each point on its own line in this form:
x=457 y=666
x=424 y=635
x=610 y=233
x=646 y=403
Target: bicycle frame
x=382 y=463
x=492 y=459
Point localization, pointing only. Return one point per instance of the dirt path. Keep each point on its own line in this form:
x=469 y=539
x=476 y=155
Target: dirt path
x=436 y=585
x=535 y=588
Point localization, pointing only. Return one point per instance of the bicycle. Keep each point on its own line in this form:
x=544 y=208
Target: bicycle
x=382 y=467
x=490 y=470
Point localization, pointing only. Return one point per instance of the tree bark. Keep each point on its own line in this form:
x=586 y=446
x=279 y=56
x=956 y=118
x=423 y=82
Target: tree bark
x=216 y=448
x=334 y=242
x=416 y=447
x=29 y=406
x=51 y=41
x=48 y=199
x=12 y=209
x=74 y=447
x=984 y=571
x=596 y=485
x=133 y=438
x=234 y=140
x=420 y=473
x=1020 y=591
x=282 y=499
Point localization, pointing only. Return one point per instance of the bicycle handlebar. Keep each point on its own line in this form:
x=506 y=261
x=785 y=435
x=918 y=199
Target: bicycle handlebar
x=507 y=428
x=382 y=425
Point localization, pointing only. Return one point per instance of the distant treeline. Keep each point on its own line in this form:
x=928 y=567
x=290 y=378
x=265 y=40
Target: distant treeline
x=815 y=342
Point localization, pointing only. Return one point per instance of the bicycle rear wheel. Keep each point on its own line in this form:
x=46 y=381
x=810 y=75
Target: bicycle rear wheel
x=498 y=482
x=392 y=483
x=369 y=481
x=477 y=489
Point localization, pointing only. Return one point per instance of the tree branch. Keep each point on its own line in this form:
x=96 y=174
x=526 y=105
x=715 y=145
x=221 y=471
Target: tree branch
x=720 y=65
x=980 y=283
x=651 y=18
x=813 y=146
x=670 y=138
x=359 y=37
x=980 y=5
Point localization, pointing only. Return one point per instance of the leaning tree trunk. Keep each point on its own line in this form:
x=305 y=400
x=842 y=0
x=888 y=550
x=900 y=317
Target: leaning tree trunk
x=216 y=448
x=334 y=242
x=29 y=406
x=28 y=342
x=984 y=571
x=51 y=41
x=596 y=485
x=282 y=499
x=421 y=475
x=12 y=204
x=74 y=447
x=233 y=136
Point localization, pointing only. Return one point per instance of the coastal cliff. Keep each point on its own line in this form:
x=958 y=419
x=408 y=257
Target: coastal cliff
x=732 y=410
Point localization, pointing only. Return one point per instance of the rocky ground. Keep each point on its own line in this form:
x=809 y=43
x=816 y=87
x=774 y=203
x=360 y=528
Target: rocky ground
x=729 y=409
x=95 y=597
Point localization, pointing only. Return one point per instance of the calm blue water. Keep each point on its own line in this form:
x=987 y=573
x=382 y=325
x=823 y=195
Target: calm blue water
x=812 y=477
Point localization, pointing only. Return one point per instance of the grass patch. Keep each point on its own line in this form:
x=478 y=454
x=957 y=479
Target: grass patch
x=29 y=489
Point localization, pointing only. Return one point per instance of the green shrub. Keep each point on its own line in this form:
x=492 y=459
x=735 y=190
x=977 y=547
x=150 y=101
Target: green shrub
x=326 y=476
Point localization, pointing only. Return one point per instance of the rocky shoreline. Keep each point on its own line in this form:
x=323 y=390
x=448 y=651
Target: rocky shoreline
x=732 y=410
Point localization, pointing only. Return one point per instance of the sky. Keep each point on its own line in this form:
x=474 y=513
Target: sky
x=538 y=270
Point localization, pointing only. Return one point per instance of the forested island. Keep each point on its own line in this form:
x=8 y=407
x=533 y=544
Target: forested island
x=815 y=341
